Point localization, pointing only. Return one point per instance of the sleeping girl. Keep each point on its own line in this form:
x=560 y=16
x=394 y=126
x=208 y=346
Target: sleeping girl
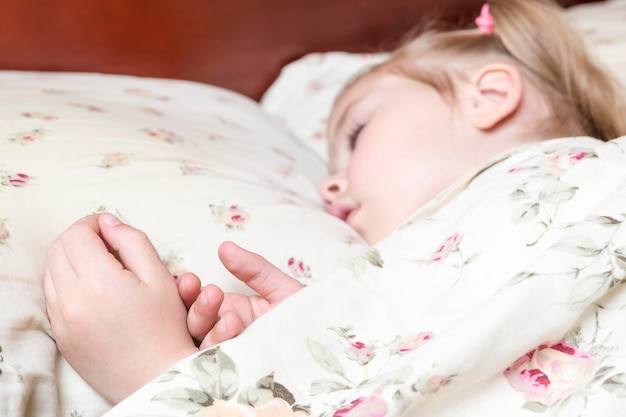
x=443 y=108
x=405 y=138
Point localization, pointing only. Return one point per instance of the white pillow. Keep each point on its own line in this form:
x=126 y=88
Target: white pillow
x=303 y=94
x=191 y=165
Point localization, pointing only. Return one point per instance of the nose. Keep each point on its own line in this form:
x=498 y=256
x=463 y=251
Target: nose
x=333 y=186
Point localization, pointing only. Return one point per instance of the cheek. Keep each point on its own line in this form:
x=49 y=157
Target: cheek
x=367 y=160
x=361 y=173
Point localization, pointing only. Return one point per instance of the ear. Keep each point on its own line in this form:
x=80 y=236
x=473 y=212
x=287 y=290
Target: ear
x=496 y=93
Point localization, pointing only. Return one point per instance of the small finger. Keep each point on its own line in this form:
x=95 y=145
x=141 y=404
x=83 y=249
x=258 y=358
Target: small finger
x=203 y=314
x=133 y=247
x=60 y=282
x=189 y=287
x=227 y=327
x=60 y=276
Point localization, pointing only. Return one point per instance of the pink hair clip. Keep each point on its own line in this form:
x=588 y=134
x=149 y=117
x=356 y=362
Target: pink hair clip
x=485 y=21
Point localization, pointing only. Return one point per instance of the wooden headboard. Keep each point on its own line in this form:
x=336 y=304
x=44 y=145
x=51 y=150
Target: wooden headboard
x=236 y=44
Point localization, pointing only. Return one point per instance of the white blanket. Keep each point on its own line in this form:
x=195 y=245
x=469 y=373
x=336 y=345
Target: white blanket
x=509 y=300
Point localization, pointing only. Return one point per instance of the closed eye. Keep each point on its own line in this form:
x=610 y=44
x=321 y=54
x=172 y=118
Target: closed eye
x=354 y=135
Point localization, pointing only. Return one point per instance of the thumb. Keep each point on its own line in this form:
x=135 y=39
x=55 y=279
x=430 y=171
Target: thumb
x=133 y=248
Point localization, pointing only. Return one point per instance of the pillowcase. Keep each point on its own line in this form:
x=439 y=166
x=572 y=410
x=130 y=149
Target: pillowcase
x=191 y=165
x=303 y=94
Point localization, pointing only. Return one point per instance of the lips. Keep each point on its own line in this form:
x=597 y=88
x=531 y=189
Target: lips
x=344 y=212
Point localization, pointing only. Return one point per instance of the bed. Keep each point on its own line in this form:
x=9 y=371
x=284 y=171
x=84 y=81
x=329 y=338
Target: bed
x=200 y=121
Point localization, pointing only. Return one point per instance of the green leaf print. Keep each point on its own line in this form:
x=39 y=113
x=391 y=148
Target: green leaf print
x=557 y=193
x=324 y=357
x=519 y=194
x=535 y=407
x=606 y=221
x=620 y=258
x=589 y=288
x=327 y=385
x=186 y=399
x=525 y=213
x=359 y=265
x=265 y=389
x=168 y=376
x=580 y=246
x=372 y=256
x=216 y=373
x=616 y=385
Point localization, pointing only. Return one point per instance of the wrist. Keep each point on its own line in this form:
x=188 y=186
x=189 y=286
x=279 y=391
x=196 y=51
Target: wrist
x=143 y=373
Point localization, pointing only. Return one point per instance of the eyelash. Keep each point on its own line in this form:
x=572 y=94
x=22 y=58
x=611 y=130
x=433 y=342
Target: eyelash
x=354 y=135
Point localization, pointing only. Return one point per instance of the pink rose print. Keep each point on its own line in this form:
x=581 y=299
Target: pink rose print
x=431 y=384
x=559 y=162
x=173 y=263
x=551 y=372
x=298 y=269
x=435 y=383
x=284 y=154
x=360 y=352
x=88 y=107
x=555 y=163
x=15 y=180
x=232 y=216
x=285 y=170
x=287 y=200
x=274 y=407
x=372 y=406
x=446 y=248
x=517 y=169
x=115 y=159
x=163 y=135
x=320 y=132
x=410 y=343
x=153 y=111
x=24 y=138
x=314 y=85
x=229 y=123
x=188 y=169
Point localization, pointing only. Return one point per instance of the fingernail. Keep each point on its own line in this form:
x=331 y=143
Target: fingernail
x=110 y=219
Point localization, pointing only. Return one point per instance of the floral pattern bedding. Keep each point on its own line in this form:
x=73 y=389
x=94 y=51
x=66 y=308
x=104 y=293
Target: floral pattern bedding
x=508 y=300
x=192 y=165
x=504 y=300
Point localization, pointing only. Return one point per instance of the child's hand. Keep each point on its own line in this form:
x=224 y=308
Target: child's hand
x=118 y=325
x=213 y=316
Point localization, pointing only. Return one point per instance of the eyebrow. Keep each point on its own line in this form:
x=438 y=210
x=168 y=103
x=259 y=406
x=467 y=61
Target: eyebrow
x=343 y=117
x=332 y=145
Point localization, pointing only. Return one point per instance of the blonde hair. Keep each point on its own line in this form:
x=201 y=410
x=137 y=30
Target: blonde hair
x=530 y=34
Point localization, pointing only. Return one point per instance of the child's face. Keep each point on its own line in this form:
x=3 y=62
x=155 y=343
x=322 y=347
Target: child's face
x=390 y=151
